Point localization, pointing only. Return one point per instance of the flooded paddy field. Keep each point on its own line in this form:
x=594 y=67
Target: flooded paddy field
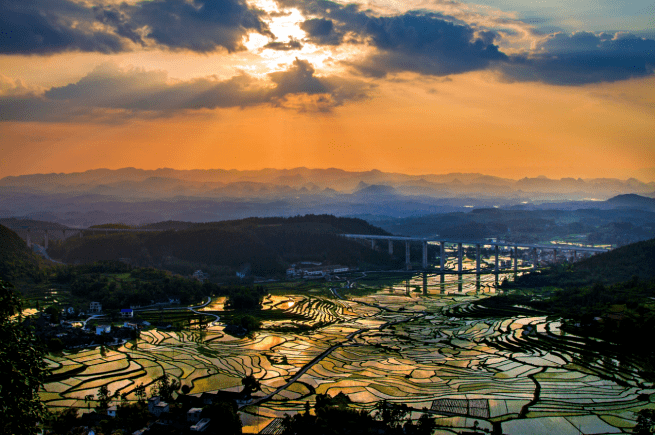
x=405 y=339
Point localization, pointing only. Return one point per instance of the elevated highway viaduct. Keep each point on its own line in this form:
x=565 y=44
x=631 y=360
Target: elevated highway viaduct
x=514 y=247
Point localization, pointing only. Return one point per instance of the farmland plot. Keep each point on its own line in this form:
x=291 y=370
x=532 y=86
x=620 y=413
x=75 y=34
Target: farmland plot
x=517 y=374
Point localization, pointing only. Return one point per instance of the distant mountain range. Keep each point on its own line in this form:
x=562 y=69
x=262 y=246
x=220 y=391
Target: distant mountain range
x=136 y=196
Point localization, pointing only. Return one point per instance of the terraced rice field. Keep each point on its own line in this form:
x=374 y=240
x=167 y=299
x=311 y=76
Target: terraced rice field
x=520 y=374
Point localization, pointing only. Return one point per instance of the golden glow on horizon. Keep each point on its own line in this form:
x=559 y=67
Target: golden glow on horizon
x=470 y=124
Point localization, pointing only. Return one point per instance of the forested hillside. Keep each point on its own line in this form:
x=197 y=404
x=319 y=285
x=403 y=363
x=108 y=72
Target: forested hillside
x=17 y=262
x=267 y=245
x=618 y=265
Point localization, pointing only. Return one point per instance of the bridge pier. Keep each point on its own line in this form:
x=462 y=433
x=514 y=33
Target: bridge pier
x=407 y=262
x=442 y=255
x=390 y=247
x=29 y=240
x=477 y=258
x=516 y=258
x=535 y=258
x=425 y=283
x=425 y=255
x=496 y=259
x=575 y=256
x=459 y=257
x=554 y=255
x=45 y=243
x=442 y=281
x=373 y=243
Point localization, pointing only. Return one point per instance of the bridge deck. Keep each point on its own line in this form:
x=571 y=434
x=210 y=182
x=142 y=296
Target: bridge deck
x=481 y=243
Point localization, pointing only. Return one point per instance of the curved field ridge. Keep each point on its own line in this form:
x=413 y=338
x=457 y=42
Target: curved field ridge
x=510 y=374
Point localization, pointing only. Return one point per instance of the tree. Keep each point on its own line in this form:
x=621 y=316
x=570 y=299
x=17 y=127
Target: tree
x=22 y=369
x=140 y=393
x=104 y=397
x=250 y=385
x=225 y=413
x=645 y=422
x=63 y=421
x=165 y=387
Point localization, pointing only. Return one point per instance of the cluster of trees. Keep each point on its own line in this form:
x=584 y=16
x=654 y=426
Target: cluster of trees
x=22 y=369
x=141 y=286
x=332 y=415
x=17 y=262
x=267 y=244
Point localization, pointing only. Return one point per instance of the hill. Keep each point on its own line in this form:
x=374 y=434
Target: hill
x=632 y=201
x=17 y=262
x=619 y=265
x=267 y=245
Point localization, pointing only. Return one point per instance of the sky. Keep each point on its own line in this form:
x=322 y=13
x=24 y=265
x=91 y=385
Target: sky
x=510 y=88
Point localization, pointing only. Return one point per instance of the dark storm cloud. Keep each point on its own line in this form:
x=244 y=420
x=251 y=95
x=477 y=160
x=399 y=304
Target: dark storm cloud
x=418 y=41
x=109 y=92
x=321 y=31
x=51 y=26
x=584 y=58
x=427 y=44
x=434 y=44
x=200 y=25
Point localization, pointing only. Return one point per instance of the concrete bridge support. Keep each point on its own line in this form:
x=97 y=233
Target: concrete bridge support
x=425 y=255
x=442 y=255
x=45 y=243
x=390 y=247
x=477 y=258
x=29 y=240
x=575 y=256
x=516 y=259
x=459 y=257
x=407 y=259
x=535 y=258
x=554 y=255
x=425 y=283
x=496 y=259
x=373 y=244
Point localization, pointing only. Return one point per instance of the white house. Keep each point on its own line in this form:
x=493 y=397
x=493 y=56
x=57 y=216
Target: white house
x=156 y=407
x=95 y=307
x=193 y=415
x=127 y=312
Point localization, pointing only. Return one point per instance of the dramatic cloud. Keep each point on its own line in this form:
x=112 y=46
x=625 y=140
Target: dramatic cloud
x=427 y=44
x=585 y=57
x=418 y=41
x=199 y=25
x=321 y=31
x=109 y=93
x=52 y=26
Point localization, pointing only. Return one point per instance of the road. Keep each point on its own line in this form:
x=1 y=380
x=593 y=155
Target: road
x=327 y=352
x=193 y=309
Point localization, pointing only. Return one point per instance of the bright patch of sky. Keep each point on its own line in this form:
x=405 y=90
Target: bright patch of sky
x=637 y=16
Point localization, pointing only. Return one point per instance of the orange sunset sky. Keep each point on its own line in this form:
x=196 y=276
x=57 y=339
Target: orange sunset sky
x=498 y=87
